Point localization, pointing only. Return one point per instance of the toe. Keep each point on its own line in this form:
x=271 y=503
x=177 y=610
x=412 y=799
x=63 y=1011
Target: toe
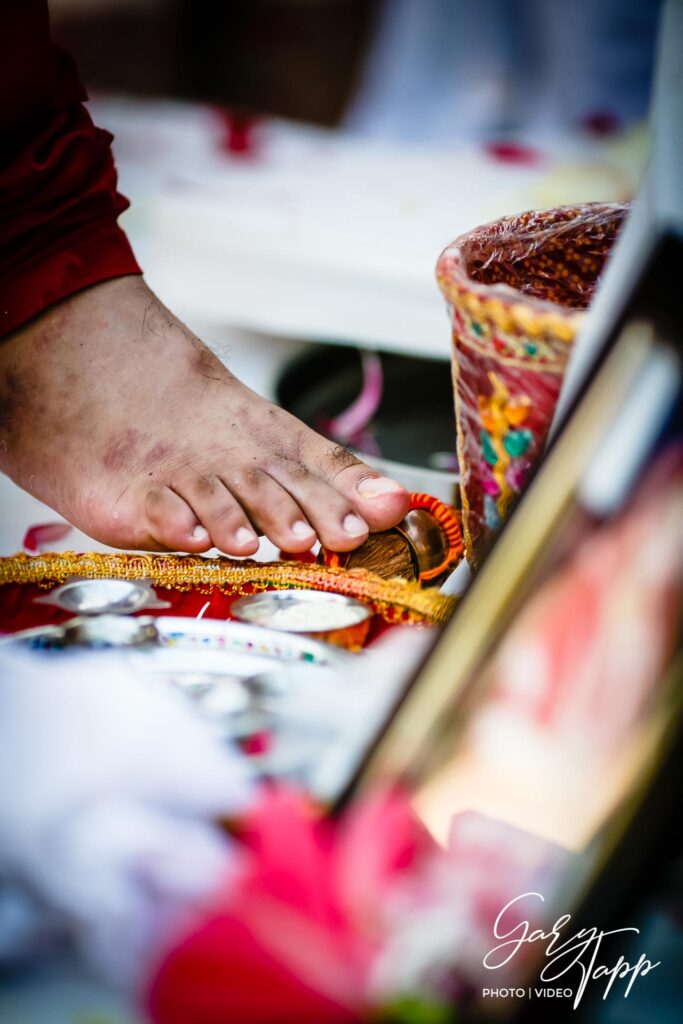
x=382 y=501
x=221 y=514
x=172 y=523
x=334 y=517
x=272 y=509
x=378 y=500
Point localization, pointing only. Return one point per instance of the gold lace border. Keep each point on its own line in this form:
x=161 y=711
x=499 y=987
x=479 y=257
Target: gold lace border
x=533 y=319
x=395 y=600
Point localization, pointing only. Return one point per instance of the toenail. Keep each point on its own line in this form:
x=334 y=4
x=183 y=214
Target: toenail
x=199 y=533
x=374 y=486
x=245 y=536
x=302 y=529
x=354 y=526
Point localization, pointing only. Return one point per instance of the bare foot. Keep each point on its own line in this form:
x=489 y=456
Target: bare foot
x=116 y=415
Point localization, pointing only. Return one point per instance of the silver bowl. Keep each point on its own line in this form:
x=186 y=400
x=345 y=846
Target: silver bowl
x=103 y=597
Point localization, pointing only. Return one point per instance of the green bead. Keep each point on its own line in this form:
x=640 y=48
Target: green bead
x=531 y=349
x=487 y=447
x=517 y=442
x=477 y=328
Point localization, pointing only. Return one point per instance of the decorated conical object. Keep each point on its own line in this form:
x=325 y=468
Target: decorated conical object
x=517 y=290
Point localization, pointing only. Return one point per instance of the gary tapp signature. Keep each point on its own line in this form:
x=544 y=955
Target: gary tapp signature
x=579 y=951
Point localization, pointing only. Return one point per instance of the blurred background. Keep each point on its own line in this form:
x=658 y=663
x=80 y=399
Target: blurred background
x=420 y=69
x=298 y=58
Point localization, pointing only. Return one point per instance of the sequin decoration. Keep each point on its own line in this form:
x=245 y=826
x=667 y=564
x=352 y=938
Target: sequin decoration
x=504 y=444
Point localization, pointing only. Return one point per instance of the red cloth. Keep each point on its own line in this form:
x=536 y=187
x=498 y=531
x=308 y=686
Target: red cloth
x=58 y=198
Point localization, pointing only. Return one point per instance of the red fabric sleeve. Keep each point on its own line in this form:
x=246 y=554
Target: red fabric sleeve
x=58 y=198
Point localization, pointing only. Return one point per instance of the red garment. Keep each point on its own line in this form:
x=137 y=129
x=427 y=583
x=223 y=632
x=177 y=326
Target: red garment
x=58 y=198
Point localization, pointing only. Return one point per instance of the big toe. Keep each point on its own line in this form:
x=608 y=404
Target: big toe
x=382 y=501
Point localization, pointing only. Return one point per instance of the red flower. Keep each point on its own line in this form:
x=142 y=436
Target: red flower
x=294 y=938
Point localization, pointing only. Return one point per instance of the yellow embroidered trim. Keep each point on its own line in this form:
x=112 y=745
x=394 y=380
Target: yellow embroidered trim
x=510 y=316
x=547 y=360
x=395 y=600
x=463 y=463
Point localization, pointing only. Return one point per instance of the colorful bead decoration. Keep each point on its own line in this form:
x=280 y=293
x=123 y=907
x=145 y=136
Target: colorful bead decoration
x=517 y=442
x=490 y=454
x=503 y=444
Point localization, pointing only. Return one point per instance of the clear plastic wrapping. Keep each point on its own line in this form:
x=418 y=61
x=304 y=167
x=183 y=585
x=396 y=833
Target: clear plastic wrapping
x=516 y=290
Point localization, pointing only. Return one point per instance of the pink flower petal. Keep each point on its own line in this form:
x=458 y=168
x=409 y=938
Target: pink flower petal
x=514 y=153
x=38 y=537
